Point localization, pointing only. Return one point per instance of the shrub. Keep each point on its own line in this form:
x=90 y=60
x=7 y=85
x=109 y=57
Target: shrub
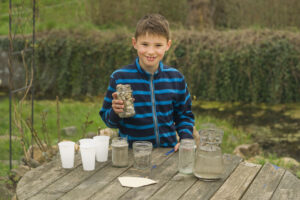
x=248 y=66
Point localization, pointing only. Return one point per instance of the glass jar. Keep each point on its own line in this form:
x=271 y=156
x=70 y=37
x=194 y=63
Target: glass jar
x=142 y=154
x=209 y=159
x=124 y=93
x=119 y=152
x=186 y=156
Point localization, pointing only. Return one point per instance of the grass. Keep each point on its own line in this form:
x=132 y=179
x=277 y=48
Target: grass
x=51 y=14
x=4 y=117
x=72 y=113
x=71 y=14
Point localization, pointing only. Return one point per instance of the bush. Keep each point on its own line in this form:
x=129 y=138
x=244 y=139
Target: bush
x=248 y=66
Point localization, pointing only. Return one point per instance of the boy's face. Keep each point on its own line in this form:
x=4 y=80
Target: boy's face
x=151 y=50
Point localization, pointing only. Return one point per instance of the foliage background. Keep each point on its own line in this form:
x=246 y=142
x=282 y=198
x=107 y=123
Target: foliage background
x=238 y=65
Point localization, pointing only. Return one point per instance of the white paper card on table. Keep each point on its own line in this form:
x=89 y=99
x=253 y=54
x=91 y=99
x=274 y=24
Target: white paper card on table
x=135 y=181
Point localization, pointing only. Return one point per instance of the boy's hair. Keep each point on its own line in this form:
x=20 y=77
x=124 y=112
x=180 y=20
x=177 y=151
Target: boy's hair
x=153 y=24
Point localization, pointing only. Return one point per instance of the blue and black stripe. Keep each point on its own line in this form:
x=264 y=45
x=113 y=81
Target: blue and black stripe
x=159 y=113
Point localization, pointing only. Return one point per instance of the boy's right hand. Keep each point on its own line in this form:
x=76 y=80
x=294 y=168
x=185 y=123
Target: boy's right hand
x=117 y=105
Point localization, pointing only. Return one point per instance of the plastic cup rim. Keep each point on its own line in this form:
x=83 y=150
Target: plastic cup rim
x=66 y=143
x=101 y=137
x=85 y=139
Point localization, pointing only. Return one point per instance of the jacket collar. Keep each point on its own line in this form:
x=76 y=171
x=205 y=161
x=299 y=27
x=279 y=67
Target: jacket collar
x=141 y=70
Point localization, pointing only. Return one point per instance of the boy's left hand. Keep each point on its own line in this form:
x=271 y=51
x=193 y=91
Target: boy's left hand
x=177 y=146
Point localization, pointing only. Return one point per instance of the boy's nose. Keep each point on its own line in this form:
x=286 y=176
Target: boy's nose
x=151 y=50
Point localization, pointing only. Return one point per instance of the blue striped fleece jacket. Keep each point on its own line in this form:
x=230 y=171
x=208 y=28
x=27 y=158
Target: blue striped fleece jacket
x=162 y=105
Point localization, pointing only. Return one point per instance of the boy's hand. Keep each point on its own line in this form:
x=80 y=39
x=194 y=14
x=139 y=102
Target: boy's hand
x=177 y=146
x=117 y=105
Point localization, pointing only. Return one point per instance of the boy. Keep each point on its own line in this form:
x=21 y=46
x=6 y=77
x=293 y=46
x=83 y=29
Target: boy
x=161 y=99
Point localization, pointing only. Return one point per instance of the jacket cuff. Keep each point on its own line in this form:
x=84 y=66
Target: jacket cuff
x=113 y=116
x=184 y=135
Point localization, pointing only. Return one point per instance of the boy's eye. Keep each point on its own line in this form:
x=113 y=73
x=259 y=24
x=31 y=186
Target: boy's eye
x=144 y=44
x=159 y=45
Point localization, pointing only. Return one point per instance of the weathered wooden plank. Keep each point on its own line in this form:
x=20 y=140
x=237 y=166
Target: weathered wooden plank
x=265 y=183
x=94 y=183
x=163 y=173
x=39 y=178
x=288 y=188
x=68 y=182
x=114 y=190
x=98 y=180
x=173 y=189
x=205 y=189
x=238 y=182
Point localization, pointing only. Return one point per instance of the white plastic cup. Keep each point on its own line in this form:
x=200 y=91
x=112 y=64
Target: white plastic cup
x=67 y=152
x=88 y=154
x=102 y=143
x=85 y=141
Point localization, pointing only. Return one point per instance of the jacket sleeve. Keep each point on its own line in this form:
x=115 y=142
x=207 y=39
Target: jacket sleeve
x=183 y=116
x=110 y=118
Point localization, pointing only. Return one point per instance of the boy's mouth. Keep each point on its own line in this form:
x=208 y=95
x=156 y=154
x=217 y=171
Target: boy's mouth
x=150 y=58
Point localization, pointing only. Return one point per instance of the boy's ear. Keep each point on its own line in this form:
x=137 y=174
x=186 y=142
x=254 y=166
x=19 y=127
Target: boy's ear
x=169 y=43
x=133 y=40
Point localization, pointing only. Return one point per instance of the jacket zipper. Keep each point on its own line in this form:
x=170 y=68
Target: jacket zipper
x=154 y=111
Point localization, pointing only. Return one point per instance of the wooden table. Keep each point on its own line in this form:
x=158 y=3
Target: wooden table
x=241 y=180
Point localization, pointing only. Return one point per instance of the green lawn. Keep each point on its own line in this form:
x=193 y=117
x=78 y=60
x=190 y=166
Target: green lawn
x=72 y=113
x=51 y=14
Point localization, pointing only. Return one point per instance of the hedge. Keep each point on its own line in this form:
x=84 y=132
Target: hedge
x=240 y=65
